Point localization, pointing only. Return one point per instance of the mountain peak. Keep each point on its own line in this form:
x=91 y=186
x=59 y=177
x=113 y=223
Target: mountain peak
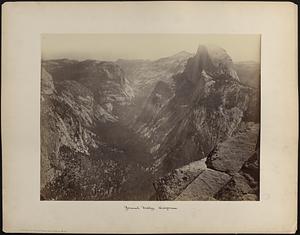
x=213 y=51
x=215 y=59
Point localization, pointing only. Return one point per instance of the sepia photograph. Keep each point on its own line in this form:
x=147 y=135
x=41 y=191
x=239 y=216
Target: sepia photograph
x=145 y=117
x=150 y=117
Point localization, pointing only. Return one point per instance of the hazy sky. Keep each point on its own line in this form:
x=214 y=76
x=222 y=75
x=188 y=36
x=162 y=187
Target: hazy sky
x=144 y=46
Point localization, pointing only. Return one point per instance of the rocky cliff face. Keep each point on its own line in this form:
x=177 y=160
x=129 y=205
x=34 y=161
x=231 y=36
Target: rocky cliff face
x=208 y=105
x=77 y=163
x=155 y=102
x=106 y=80
x=65 y=120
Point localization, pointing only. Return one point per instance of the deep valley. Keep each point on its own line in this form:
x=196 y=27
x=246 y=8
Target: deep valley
x=183 y=127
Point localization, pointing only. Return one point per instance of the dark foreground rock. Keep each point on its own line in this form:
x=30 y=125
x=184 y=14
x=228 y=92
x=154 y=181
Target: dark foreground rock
x=231 y=172
x=205 y=186
x=244 y=185
x=230 y=155
x=170 y=186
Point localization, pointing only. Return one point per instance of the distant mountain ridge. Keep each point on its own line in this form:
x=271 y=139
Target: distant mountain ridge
x=145 y=73
x=249 y=73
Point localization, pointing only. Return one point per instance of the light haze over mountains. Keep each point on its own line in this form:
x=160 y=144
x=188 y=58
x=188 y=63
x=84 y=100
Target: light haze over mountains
x=110 y=47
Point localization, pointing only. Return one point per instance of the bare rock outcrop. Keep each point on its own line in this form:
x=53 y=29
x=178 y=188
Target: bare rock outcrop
x=230 y=155
x=171 y=185
x=230 y=172
x=205 y=186
x=244 y=185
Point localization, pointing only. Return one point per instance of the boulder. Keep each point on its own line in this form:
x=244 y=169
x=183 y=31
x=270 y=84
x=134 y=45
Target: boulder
x=205 y=186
